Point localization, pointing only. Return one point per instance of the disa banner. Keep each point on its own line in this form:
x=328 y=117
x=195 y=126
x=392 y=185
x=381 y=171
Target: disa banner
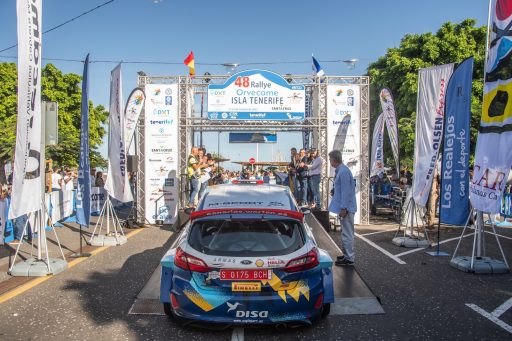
x=493 y=154
x=27 y=178
x=432 y=84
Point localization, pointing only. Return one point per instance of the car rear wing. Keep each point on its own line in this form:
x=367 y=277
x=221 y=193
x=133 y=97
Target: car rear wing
x=259 y=211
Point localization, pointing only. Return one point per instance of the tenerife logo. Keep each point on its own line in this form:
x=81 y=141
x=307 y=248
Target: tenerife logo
x=339 y=92
x=157 y=92
x=158 y=122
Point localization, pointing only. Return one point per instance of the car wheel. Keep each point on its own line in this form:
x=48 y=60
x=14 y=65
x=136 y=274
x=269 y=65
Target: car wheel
x=326 y=309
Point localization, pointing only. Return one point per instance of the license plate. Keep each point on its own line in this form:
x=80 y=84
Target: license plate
x=246 y=286
x=234 y=275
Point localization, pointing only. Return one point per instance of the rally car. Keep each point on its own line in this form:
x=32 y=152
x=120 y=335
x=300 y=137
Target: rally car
x=246 y=257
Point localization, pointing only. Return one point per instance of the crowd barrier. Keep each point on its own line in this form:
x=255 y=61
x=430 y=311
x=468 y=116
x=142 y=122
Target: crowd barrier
x=61 y=206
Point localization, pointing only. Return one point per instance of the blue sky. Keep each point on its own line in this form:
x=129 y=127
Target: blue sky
x=225 y=31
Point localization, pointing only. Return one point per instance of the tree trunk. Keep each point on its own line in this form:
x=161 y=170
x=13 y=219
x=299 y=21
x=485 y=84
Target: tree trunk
x=3 y=176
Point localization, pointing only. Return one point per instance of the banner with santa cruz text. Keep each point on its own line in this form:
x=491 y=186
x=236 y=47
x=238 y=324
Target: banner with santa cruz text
x=432 y=84
x=493 y=154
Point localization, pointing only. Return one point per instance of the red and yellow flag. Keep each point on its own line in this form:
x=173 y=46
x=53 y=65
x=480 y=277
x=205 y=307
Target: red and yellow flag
x=189 y=61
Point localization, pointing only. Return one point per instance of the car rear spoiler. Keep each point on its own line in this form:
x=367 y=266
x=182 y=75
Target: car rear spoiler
x=263 y=211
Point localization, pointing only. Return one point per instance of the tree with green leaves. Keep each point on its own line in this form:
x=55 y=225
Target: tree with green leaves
x=57 y=87
x=397 y=70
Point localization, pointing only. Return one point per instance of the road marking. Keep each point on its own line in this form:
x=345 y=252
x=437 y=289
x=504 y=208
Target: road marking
x=387 y=253
x=492 y=316
x=36 y=281
x=435 y=244
x=502 y=308
x=238 y=334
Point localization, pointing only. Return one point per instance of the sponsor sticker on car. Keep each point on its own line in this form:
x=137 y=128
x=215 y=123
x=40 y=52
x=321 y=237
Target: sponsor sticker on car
x=245 y=286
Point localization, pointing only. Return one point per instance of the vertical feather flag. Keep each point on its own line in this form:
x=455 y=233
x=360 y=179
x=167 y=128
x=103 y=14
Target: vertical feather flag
x=189 y=61
x=317 y=68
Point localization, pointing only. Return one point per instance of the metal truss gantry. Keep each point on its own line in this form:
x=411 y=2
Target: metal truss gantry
x=189 y=122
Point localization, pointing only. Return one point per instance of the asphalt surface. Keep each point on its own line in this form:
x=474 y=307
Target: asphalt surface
x=423 y=299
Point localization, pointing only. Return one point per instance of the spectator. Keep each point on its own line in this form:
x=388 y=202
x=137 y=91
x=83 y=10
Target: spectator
x=302 y=173
x=193 y=174
x=56 y=179
x=68 y=181
x=315 y=171
x=99 y=182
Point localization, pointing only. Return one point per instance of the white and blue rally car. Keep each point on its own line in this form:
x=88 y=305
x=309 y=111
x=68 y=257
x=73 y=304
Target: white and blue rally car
x=247 y=257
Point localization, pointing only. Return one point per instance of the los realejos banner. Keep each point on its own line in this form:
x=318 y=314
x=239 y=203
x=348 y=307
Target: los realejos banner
x=432 y=84
x=161 y=152
x=454 y=200
x=256 y=95
x=344 y=131
x=117 y=184
x=27 y=179
x=377 y=162
x=388 y=109
x=493 y=154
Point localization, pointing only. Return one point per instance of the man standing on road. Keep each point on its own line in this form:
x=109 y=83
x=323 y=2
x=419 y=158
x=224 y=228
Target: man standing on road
x=343 y=203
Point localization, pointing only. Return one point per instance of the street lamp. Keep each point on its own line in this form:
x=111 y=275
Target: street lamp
x=351 y=63
x=230 y=67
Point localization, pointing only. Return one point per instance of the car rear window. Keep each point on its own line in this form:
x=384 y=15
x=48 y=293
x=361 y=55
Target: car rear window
x=246 y=237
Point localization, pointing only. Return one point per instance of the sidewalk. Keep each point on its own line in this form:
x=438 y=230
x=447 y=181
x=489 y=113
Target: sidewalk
x=69 y=237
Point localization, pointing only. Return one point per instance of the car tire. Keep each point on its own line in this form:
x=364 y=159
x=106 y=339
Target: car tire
x=168 y=309
x=326 y=309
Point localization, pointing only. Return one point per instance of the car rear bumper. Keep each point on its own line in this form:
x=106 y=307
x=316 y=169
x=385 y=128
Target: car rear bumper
x=302 y=305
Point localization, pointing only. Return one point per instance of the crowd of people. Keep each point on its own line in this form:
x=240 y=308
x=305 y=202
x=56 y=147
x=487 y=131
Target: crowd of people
x=304 y=175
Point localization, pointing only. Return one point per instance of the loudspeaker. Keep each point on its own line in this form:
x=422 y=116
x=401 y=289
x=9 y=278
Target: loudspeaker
x=132 y=163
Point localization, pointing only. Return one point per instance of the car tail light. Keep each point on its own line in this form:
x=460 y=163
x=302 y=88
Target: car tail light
x=319 y=301
x=174 y=302
x=189 y=262
x=304 y=262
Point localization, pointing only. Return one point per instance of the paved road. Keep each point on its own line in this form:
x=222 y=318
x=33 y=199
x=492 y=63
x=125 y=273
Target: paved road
x=423 y=299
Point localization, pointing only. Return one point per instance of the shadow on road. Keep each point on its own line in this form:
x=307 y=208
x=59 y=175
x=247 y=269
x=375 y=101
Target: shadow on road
x=107 y=296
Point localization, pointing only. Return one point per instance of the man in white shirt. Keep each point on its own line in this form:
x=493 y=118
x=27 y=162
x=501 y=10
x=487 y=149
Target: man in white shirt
x=56 y=179
x=68 y=181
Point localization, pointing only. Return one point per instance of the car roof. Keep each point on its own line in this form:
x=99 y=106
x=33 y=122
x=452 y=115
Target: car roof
x=248 y=196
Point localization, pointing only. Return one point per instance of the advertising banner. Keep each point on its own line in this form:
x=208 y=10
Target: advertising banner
x=256 y=95
x=117 y=184
x=61 y=205
x=493 y=154
x=132 y=112
x=377 y=161
x=161 y=152
x=388 y=109
x=27 y=179
x=454 y=204
x=432 y=84
x=98 y=197
x=83 y=189
x=344 y=131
